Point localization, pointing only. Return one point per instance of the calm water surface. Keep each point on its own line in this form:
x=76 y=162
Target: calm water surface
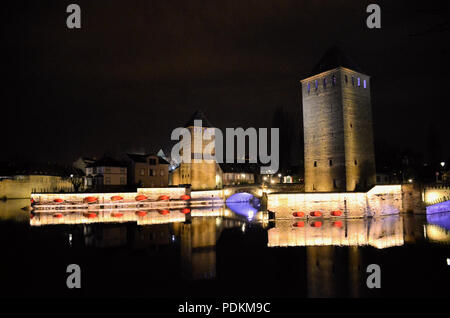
x=227 y=254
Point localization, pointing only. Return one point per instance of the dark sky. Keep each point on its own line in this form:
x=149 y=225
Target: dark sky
x=138 y=69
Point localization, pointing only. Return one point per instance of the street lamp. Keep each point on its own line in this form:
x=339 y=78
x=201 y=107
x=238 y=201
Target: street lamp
x=442 y=164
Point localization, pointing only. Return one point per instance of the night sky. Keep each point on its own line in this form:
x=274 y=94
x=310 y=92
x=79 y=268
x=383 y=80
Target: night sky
x=138 y=69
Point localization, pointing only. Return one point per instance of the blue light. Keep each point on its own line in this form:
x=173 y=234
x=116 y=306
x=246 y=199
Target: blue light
x=244 y=204
x=440 y=219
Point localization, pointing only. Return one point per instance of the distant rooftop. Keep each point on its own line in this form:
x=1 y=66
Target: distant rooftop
x=239 y=167
x=143 y=158
x=334 y=57
x=198 y=115
x=107 y=162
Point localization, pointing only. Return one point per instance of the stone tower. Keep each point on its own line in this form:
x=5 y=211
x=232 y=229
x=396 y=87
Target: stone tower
x=337 y=121
x=199 y=173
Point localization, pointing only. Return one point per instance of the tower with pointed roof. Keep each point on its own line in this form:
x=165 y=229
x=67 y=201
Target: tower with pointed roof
x=337 y=121
x=199 y=173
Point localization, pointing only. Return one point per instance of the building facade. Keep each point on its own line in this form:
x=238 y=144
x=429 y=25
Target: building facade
x=147 y=171
x=106 y=173
x=237 y=174
x=337 y=121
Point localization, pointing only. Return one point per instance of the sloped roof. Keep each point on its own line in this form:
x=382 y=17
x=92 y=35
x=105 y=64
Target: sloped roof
x=163 y=161
x=137 y=157
x=107 y=162
x=334 y=57
x=198 y=115
x=143 y=158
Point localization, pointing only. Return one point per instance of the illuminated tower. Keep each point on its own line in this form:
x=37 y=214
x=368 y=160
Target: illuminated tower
x=337 y=121
x=201 y=174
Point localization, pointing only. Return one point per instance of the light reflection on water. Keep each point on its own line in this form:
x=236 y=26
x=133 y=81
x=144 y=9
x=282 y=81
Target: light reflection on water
x=216 y=244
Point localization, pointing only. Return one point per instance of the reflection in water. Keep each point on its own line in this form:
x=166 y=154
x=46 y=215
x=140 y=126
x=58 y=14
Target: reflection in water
x=14 y=210
x=440 y=219
x=438 y=227
x=331 y=255
x=141 y=217
x=380 y=233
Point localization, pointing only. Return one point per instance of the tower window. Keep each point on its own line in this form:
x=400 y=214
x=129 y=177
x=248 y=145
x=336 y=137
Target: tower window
x=346 y=79
x=365 y=84
x=317 y=84
x=356 y=162
x=353 y=81
x=359 y=82
x=333 y=80
x=315 y=163
x=334 y=183
x=325 y=82
x=331 y=162
x=309 y=87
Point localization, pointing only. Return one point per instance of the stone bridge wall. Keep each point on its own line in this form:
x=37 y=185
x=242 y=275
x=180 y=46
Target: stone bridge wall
x=380 y=200
x=436 y=194
x=21 y=188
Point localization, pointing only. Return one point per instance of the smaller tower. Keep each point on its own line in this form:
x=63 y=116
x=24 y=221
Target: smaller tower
x=199 y=173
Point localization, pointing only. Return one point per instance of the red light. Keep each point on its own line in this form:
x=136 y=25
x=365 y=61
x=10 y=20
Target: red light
x=141 y=197
x=186 y=211
x=116 y=198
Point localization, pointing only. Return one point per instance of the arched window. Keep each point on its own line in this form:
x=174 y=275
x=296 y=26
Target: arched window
x=325 y=82
x=315 y=163
x=346 y=79
x=353 y=81
x=317 y=84
x=309 y=87
x=331 y=162
x=365 y=84
x=333 y=80
x=359 y=82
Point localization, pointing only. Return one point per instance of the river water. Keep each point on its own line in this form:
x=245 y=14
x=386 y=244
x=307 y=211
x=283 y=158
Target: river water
x=222 y=252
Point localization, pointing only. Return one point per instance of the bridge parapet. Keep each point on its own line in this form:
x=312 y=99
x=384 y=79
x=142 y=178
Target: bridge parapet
x=436 y=194
x=254 y=189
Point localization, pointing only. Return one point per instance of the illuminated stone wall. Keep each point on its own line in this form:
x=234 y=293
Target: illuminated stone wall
x=208 y=194
x=21 y=187
x=358 y=131
x=200 y=174
x=434 y=195
x=338 y=137
x=151 y=193
x=412 y=198
x=380 y=200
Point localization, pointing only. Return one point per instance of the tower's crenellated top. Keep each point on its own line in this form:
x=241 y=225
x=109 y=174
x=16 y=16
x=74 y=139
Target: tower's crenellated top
x=333 y=58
